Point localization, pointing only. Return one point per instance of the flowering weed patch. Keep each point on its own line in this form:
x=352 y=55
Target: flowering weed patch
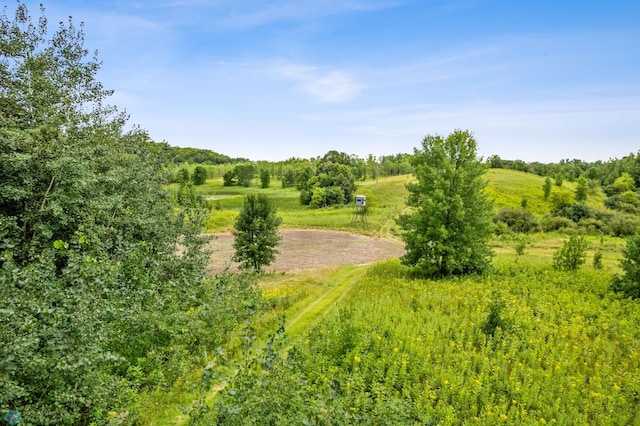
x=403 y=351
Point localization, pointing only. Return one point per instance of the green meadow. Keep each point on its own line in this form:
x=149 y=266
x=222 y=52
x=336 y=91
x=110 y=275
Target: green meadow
x=524 y=344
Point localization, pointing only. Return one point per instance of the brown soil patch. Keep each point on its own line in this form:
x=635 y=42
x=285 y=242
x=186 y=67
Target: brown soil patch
x=309 y=249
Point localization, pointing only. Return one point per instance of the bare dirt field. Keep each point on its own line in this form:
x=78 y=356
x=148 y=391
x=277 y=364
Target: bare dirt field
x=309 y=248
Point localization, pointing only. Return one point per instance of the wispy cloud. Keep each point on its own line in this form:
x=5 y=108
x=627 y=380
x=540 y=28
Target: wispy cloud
x=323 y=86
x=243 y=14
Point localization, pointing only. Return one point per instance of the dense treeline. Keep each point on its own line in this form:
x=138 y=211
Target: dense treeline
x=179 y=155
x=604 y=172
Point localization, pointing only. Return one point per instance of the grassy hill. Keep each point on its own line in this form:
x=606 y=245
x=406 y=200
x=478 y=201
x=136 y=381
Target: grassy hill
x=385 y=198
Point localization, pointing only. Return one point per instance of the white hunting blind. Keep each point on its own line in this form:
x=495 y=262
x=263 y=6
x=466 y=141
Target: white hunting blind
x=361 y=201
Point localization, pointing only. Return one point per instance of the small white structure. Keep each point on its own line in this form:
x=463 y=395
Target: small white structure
x=360 y=213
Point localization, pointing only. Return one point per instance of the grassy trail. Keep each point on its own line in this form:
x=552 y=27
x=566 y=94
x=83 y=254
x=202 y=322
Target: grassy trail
x=319 y=307
x=309 y=312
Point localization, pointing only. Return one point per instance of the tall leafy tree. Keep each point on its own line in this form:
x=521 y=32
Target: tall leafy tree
x=256 y=233
x=581 y=189
x=265 y=178
x=546 y=187
x=447 y=228
x=96 y=267
x=200 y=175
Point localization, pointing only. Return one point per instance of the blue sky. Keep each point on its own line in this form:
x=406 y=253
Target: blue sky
x=269 y=80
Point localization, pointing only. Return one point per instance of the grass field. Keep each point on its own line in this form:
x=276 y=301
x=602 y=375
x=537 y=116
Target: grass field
x=524 y=344
x=385 y=199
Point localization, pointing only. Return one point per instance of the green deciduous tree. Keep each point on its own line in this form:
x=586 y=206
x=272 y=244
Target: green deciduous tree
x=571 y=255
x=447 y=229
x=546 y=187
x=333 y=181
x=96 y=267
x=265 y=178
x=199 y=175
x=256 y=233
x=244 y=173
x=629 y=283
x=182 y=176
x=581 y=190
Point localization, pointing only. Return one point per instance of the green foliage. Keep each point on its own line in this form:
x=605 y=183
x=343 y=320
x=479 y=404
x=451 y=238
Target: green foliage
x=229 y=178
x=597 y=260
x=200 y=175
x=546 y=188
x=288 y=177
x=571 y=255
x=197 y=156
x=256 y=233
x=518 y=220
x=624 y=183
x=182 y=176
x=551 y=223
x=244 y=174
x=97 y=266
x=581 y=190
x=392 y=353
x=265 y=178
x=575 y=212
x=448 y=229
x=521 y=244
x=561 y=199
x=333 y=182
x=629 y=282
x=495 y=320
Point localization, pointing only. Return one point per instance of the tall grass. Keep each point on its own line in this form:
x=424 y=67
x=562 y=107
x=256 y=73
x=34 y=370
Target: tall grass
x=399 y=350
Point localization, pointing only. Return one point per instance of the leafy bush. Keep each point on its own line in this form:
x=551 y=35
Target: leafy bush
x=629 y=283
x=495 y=319
x=555 y=223
x=575 y=211
x=623 y=203
x=621 y=224
x=518 y=220
x=571 y=255
x=200 y=175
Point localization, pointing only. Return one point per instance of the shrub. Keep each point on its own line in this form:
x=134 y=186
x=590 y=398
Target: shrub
x=629 y=283
x=182 y=176
x=495 y=320
x=571 y=255
x=622 y=225
x=305 y=197
x=575 y=211
x=318 y=197
x=200 y=175
x=555 y=223
x=518 y=220
x=521 y=244
x=334 y=195
x=624 y=203
x=265 y=178
x=597 y=260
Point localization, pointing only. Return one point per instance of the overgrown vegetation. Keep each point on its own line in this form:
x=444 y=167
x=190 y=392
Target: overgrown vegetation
x=515 y=346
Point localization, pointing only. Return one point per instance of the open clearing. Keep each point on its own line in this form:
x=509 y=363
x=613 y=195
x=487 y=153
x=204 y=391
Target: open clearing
x=311 y=248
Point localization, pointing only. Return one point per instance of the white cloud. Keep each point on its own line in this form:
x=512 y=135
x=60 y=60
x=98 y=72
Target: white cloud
x=323 y=86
